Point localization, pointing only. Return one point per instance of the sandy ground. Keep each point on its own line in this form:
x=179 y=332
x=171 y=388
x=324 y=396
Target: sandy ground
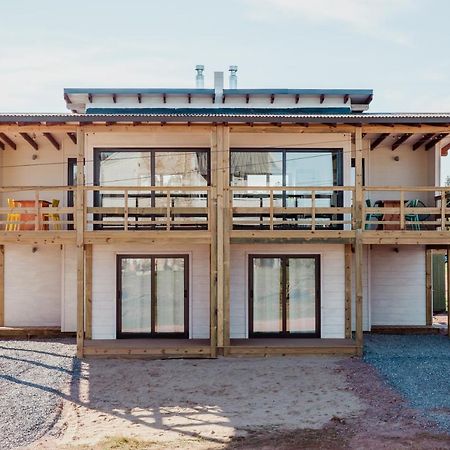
x=203 y=402
x=441 y=319
x=263 y=403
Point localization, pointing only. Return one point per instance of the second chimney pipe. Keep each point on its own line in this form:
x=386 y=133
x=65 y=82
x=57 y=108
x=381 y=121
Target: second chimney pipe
x=233 y=77
x=199 y=78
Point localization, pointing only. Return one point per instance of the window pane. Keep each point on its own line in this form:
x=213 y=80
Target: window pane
x=169 y=295
x=267 y=298
x=301 y=294
x=256 y=168
x=125 y=169
x=136 y=295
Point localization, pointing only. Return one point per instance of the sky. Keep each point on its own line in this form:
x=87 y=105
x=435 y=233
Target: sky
x=399 y=48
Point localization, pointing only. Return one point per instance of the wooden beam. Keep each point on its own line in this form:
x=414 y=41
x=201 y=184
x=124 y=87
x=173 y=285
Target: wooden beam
x=428 y=287
x=226 y=239
x=297 y=98
x=359 y=195
x=435 y=140
x=79 y=221
x=378 y=140
x=73 y=137
x=348 y=291
x=322 y=98
x=2 y=145
x=425 y=138
x=8 y=141
x=359 y=292
x=139 y=98
x=114 y=98
x=2 y=285
x=400 y=140
x=88 y=293
x=30 y=140
x=52 y=140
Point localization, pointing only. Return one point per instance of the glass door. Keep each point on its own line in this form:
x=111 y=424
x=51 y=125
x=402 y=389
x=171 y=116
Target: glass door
x=284 y=296
x=152 y=296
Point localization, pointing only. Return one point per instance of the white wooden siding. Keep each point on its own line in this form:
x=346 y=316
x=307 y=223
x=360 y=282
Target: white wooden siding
x=104 y=286
x=69 y=289
x=366 y=290
x=332 y=284
x=398 y=285
x=32 y=285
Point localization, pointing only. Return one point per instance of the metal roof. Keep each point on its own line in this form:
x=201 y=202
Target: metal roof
x=380 y=118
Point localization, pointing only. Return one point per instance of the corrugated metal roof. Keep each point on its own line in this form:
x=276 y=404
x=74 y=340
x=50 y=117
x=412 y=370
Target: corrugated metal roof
x=228 y=117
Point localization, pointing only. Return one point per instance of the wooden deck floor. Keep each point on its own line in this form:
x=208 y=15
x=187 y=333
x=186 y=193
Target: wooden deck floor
x=156 y=348
x=27 y=332
x=266 y=347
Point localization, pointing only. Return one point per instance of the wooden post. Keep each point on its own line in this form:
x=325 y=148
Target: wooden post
x=79 y=221
x=359 y=292
x=359 y=195
x=227 y=219
x=88 y=304
x=2 y=285
x=212 y=226
x=428 y=287
x=448 y=288
x=348 y=291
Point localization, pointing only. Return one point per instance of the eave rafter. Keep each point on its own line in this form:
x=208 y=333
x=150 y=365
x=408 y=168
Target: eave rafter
x=8 y=141
x=401 y=139
x=73 y=137
x=425 y=138
x=30 y=140
x=434 y=140
x=379 y=140
x=52 y=140
x=2 y=145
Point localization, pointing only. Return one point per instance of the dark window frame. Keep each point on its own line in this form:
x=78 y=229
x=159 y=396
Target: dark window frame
x=284 y=333
x=153 y=300
x=71 y=165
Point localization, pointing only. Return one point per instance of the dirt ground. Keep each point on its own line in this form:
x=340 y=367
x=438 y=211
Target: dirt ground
x=441 y=320
x=264 y=403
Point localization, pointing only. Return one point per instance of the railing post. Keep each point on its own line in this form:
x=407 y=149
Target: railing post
x=358 y=178
x=37 y=208
x=443 y=206
x=402 y=210
x=271 y=209
x=313 y=210
x=168 y=210
x=125 y=213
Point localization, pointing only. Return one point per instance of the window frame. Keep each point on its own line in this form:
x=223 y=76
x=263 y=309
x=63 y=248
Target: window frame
x=284 y=333
x=153 y=300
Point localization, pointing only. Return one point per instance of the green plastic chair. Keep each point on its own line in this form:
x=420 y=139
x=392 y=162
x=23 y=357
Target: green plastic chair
x=372 y=217
x=414 y=218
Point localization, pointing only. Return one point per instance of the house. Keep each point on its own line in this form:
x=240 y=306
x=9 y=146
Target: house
x=196 y=222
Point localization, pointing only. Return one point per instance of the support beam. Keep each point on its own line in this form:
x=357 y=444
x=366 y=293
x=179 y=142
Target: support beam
x=425 y=138
x=358 y=178
x=448 y=294
x=73 y=137
x=378 y=140
x=428 y=287
x=52 y=140
x=8 y=141
x=400 y=140
x=88 y=294
x=2 y=285
x=30 y=140
x=79 y=221
x=359 y=292
x=2 y=145
x=348 y=291
x=435 y=140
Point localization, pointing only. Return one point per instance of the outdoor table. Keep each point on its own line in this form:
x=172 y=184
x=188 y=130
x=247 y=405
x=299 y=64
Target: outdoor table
x=28 y=221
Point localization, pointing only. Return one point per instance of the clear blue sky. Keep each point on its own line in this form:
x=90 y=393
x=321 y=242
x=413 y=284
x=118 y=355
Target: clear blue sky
x=400 y=48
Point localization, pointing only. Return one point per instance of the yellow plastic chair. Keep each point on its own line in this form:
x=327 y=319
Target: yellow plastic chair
x=13 y=219
x=54 y=217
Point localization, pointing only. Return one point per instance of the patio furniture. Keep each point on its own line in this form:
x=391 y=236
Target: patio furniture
x=28 y=221
x=54 y=218
x=13 y=219
x=372 y=216
x=414 y=218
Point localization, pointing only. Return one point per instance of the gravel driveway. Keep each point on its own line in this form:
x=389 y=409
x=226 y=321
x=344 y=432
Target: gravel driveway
x=419 y=368
x=34 y=376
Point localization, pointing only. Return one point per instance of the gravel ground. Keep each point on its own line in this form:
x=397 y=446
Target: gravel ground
x=419 y=368
x=34 y=376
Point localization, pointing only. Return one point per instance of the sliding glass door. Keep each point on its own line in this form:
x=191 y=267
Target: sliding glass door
x=152 y=296
x=284 y=296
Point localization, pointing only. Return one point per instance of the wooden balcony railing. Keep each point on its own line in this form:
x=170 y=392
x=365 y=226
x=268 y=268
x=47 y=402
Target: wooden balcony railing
x=166 y=208
x=292 y=207
x=406 y=208
x=36 y=208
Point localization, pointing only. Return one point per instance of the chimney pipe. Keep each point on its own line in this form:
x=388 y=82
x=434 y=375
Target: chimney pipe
x=233 y=77
x=199 y=78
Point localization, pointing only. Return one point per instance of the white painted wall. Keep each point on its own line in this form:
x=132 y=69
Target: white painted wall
x=104 y=286
x=32 y=285
x=332 y=284
x=398 y=285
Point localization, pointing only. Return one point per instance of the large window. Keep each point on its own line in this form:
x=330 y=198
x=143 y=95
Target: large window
x=152 y=296
x=284 y=296
x=150 y=167
x=286 y=167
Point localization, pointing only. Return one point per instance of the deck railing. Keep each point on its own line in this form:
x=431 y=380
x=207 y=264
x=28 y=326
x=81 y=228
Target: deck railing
x=406 y=208
x=36 y=208
x=292 y=207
